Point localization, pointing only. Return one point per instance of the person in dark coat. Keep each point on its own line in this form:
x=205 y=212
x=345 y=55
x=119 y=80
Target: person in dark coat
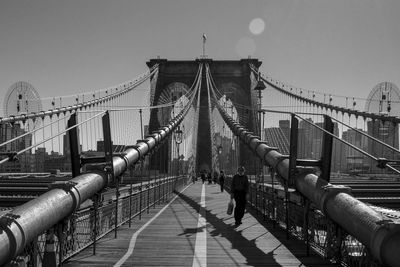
x=209 y=177
x=203 y=176
x=239 y=189
x=215 y=178
x=221 y=180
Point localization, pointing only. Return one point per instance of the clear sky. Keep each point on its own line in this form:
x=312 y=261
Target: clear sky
x=342 y=47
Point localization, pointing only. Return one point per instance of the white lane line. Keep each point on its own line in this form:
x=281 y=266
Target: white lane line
x=135 y=235
x=200 y=248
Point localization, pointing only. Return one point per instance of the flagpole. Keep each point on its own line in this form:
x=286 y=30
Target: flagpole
x=204 y=45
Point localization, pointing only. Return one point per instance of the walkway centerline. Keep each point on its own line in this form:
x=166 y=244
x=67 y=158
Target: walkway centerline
x=200 y=248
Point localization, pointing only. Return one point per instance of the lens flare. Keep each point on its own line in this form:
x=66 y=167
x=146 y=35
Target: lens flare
x=257 y=26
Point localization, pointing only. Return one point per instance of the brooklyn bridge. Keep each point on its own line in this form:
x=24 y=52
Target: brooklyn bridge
x=92 y=180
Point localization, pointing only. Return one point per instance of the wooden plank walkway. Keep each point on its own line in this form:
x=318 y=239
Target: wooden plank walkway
x=170 y=238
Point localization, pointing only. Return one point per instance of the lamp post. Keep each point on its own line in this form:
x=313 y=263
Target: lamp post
x=259 y=87
x=219 y=156
x=178 y=140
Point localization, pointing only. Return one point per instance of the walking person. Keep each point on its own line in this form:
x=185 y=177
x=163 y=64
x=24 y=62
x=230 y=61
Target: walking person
x=209 y=177
x=203 y=176
x=215 y=178
x=193 y=177
x=239 y=189
x=221 y=180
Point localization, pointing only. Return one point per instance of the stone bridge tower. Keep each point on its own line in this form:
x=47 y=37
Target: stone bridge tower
x=232 y=77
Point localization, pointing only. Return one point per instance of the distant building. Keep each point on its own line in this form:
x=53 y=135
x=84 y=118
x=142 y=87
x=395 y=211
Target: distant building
x=40 y=158
x=355 y=161
x=8 y=132
x=310 y=141
x=386 y=132
x=115 y=148
x=56 y=161
x=285 y=127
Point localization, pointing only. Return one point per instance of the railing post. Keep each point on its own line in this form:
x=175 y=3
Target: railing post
x=257 y=198
x=116 y=206
x=141 y=189
x=294 y=134
x=334 y=239
x=287 y=201
x=326 y=152
x=61 y=240
x=306 y=226
x=95 y=200
x=263 y=198
x=154 y=188
x=262 y=188
x=35 y=253
x=273 y=215
x=148 y=185
x=74 y=146
x=108 y=150
x=256 y=182
x=130 y=197
x=158 y=167
x=50 y=257
x=163 y=189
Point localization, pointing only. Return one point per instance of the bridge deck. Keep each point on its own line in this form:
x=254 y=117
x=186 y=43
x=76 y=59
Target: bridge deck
x=177 y=238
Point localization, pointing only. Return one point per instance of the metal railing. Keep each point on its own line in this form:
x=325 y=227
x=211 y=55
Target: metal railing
x=27 y=223
x=303 y=221
x=84 y=227
x=378 y=234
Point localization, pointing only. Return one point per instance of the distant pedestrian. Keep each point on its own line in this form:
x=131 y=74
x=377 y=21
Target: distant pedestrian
x=239 y=189
x=203 y=176
x=221 y=180
x=193 y=177
x=209 y=177
x=215 y=178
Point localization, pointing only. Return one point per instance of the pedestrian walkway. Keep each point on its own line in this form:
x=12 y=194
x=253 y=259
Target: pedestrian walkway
x=194 y=230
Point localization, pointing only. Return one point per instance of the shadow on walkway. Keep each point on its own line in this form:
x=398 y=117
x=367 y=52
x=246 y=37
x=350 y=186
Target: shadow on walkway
x=248 y=248
x=254 y=256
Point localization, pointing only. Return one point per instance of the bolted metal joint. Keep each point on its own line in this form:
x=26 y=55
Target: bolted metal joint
x=279 y=159
x=330 y=188
x=299 y=171
x=381 y=163
x=384 y=245
x=330 y=191
x=64 y=185
x=6 y=220
x=12 y=155
x=108 y=169
x=67 y=186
